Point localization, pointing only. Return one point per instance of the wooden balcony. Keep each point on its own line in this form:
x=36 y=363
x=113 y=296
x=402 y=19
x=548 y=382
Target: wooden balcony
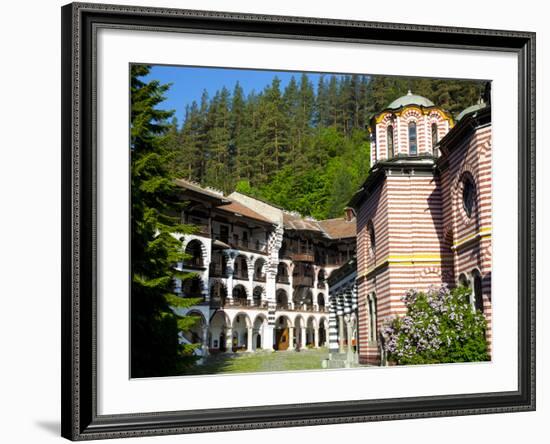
x=283 y=279
x=241 y=244
x=245 y=303
x=302 y=281
x=217 y=270
x=302 y=257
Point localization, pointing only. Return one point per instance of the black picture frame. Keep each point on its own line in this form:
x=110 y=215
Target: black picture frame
x=80 y=420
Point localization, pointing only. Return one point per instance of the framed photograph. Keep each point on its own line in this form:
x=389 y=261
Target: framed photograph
x=275 y=221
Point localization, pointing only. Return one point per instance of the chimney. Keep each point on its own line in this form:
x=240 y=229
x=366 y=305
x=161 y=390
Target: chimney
x=349 y=214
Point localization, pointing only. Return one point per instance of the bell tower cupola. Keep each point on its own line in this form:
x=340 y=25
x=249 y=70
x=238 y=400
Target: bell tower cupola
x=409 y=127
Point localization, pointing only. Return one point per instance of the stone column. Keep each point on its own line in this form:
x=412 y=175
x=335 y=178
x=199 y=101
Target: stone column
x=250 y=283
x=205 y=340
x=341 y=334
x=291 y=338
x=303 y=337
x=332 y=329
x=250 y=338
x=314 y=290
x=230 y=273
x=349 y=357
x=229 y=340
x=268 y=338
x=316 y=337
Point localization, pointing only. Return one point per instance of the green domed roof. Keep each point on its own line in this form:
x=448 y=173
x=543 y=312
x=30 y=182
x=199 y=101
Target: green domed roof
x=410 y=99
x=471 y=109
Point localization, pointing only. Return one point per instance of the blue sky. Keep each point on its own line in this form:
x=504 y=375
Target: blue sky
x=189 y=82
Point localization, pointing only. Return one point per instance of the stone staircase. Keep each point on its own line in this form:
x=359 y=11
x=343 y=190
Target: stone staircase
x=340 y=360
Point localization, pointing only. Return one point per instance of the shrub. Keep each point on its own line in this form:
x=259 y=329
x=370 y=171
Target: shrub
x=440 y=327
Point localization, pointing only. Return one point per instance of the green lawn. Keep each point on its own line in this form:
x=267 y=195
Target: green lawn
x=261 y=362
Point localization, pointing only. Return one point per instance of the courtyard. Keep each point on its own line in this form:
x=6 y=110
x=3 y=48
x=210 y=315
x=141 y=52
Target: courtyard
x=263 y=361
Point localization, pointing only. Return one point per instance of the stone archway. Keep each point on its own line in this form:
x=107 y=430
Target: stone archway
x=218 y=294
x=281 y=299
x=258 y=295
x=323 y=328
x=259 y=331
x=312 y=333
x=196 y=254
x=240 y=296
x=259 y=270
x=192 y=287
x=241 y=334
x=219 y=327
x=282 y=333
x=299 y=340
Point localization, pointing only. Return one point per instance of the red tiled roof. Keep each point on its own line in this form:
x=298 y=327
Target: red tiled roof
x=296 y=222
x=193 y=186
x=339 y=228
x=239 y=209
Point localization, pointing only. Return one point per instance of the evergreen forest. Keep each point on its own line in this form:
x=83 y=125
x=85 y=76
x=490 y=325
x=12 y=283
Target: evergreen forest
x=304 y=147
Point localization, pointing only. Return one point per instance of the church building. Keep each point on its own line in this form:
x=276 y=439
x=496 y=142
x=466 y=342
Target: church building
x=424 y=212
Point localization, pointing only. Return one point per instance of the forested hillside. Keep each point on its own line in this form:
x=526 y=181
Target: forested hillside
x=303 y=147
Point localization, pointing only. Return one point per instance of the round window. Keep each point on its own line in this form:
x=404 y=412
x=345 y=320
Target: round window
x=468 y=196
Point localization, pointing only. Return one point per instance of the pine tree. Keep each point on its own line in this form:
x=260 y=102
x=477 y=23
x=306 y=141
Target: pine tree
x=274 y=141
x=237 y=131
x=218 y=142
x=189 y=151
x=321 y=113
x=272 y=130
x=292 y=105
x=333 y=102
x=155 y=347
x=304 y=118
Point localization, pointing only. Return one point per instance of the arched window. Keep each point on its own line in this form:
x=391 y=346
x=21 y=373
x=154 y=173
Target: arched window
x=259 y=274
x=240 y=268
x=282 y=273
x=412 y=139
x=239 y=295
x=468 y=195
x=192 y=287
x=281 y=299
x=372 y=317
x=390 y=141
x=435 y=138
x=372 y=237
x=257 y=296
x=321 y=301
x=478 y=292
x=463 y=280
x=194 y=254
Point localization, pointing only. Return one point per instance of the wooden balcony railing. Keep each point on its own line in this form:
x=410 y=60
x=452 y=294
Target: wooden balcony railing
x=288 y=307
x=217 y=270
x=302 y=257
x=242 y=244
x=305 y=281
x=283 y=279
x=245 y=303
x=259 y=277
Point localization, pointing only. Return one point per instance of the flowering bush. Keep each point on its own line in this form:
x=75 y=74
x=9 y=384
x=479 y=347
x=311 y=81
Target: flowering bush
x=440 y=326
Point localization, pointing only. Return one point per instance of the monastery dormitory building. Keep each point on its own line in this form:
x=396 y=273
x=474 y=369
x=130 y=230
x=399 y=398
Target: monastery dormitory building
x=424 y=212
x=261 y=272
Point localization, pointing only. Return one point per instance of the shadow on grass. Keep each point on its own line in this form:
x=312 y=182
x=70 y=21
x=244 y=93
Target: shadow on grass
x=262 y=361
